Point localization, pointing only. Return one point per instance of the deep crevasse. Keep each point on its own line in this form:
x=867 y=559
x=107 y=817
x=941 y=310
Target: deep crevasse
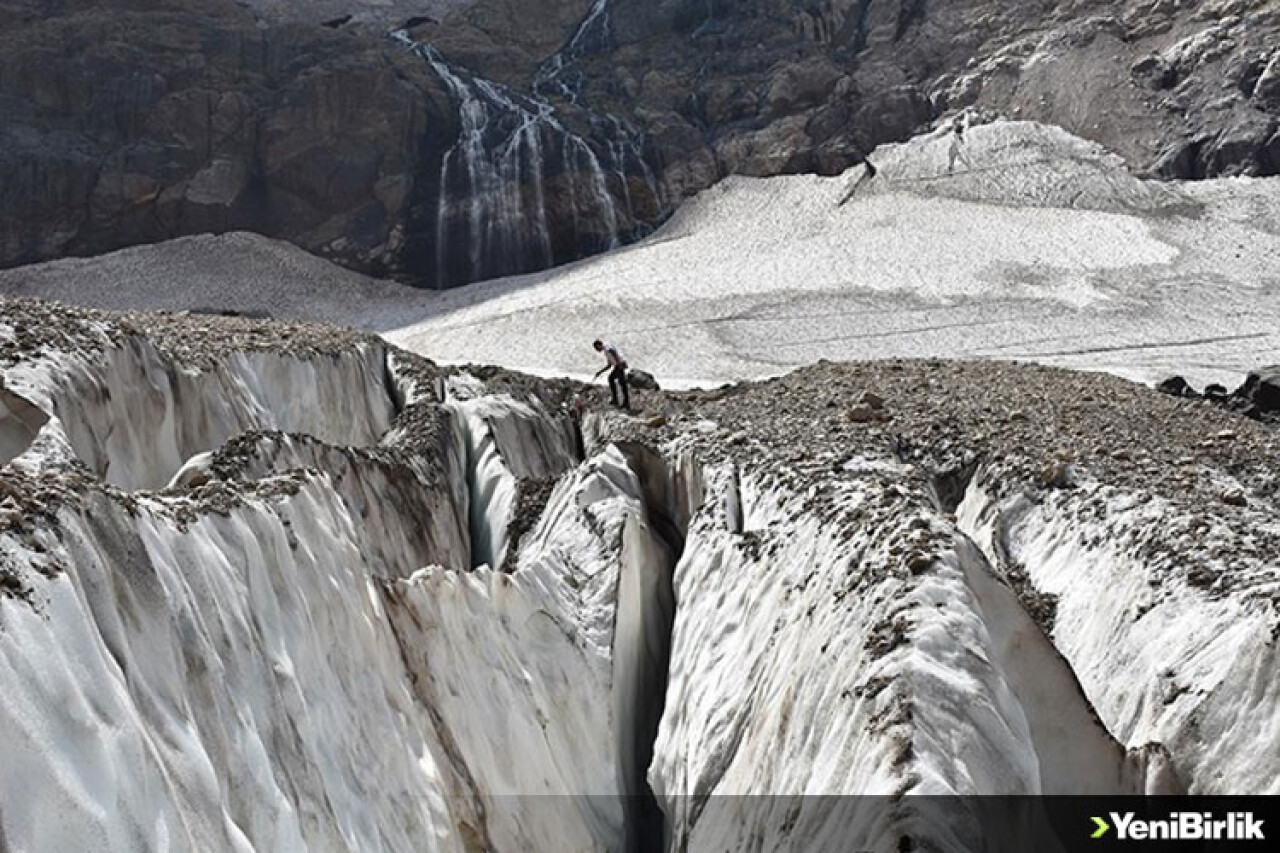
x=807 y=660
x=1163 y=661
x=263 y=676
x=292 y=650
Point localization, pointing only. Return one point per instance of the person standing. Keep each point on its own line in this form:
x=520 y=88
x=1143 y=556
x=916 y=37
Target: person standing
x=617 y=367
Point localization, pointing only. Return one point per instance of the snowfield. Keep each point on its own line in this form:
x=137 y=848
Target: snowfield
x=1038 y=246
x=1029 y=244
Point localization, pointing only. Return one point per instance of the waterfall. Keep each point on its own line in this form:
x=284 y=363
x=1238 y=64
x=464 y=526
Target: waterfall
x=550 y=75
x=518 y=190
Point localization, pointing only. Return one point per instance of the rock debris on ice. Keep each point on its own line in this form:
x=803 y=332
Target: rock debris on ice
x=425 y=622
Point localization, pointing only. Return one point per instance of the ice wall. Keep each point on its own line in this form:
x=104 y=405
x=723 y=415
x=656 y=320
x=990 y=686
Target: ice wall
x=519 y=668
x=135 y=417
x=856 y=646
x=503 y=442
x=228 y=684
x=1163 y=655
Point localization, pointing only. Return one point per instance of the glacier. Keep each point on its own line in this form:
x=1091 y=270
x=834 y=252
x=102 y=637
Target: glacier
x=282 y=587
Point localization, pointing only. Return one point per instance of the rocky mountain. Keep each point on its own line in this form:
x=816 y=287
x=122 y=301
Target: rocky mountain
x=497 y=136
x=274 y=586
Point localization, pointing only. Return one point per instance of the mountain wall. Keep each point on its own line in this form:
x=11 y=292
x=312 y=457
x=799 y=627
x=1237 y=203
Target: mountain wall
x=490 y=137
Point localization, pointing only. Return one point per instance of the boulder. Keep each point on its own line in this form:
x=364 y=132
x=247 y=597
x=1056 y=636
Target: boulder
x=872 y=399
x=1176 y=386
x=1261 y=389
x=1241 y=147
x=861 y=414
x=642 y=380
x=799 y=85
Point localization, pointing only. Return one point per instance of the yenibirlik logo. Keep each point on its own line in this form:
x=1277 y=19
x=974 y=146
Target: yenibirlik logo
x=1181 y=826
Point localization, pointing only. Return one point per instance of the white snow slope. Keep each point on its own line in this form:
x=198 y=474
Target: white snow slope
x=1038 y=246
x=1033 y=245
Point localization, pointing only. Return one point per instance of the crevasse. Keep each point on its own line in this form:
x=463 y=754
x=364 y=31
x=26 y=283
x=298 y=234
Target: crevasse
x=314 y=663
x=353 y=629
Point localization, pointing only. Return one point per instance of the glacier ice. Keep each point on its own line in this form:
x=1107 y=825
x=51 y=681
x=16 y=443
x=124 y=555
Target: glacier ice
x=20 y=423
x=313 y=663
x=1161 y=661
x=349 y=600
x=135 y=418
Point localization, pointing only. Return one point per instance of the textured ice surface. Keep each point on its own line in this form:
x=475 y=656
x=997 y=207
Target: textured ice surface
x=311 y=663
x=349 y=643
x=928 y=682
x=136 y=419
x=1163 y=661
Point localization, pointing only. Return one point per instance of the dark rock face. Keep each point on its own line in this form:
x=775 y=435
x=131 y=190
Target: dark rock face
x=148 y=121
x=499 y=136
x=1176 y=386
x=1262 y=389
x=1258 y=397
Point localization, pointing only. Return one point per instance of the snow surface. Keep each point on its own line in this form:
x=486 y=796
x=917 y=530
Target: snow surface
x=1039 y=246
x=1036 y=245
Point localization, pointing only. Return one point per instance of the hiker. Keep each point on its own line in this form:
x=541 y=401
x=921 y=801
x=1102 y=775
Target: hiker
x=617 y=367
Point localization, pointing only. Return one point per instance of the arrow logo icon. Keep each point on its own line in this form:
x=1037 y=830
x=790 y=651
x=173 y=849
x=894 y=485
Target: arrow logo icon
x=1102 y=828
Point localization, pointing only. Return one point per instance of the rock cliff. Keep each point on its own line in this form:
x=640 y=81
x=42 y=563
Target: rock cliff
x=500 y=136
